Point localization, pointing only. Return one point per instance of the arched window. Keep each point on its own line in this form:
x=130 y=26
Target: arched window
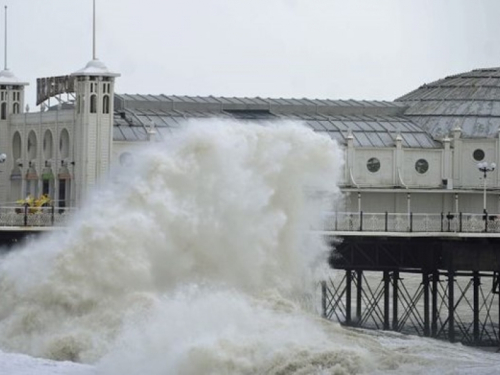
x=78 y=100
x=93 y=103
x=31 y=146
x=64 y=144
x=16 y=146
x=105 y=104
x=15 y=108
x=48 y=145
x=3 y=111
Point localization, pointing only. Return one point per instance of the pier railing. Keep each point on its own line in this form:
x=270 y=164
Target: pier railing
x=25 y=216
x=412 y=222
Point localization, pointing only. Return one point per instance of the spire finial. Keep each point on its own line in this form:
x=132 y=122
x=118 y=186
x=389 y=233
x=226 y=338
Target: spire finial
x=5 y=43
x=93 y=35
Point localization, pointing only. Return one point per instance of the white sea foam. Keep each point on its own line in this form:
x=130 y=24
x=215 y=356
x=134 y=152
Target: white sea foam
x=217 y=204
x=198 y=260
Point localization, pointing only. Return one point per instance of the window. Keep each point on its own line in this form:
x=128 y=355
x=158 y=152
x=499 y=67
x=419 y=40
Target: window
x=31 y=187
x=478 y=154
x=32 y=146
x=93 y=103
x=16 y=146
x=62 y=193
x=3 y=111
x=46 y=187
x=105 y=104
x=15 y=108
x=64 y=144
x=421 y=166
x=373 y=165
x=48 y=145
x=126 y=159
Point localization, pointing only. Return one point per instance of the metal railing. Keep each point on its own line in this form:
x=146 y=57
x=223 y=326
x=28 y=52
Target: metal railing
x=412 y=222
x=25 y=216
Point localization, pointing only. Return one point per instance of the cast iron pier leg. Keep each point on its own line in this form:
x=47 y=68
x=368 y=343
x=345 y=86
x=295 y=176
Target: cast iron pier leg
x=323 y=298
x=395 y=279
x=435 y=280
x=387 y=284
x=348 y=284
x=451 y=305
x=477 y=283
x=359 y=275
x=425 y=282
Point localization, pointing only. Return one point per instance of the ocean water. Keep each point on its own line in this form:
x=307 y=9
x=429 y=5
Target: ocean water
x=199 y=259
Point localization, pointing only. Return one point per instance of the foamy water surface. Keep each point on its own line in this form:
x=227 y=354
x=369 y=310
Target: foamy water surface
x=198 y=259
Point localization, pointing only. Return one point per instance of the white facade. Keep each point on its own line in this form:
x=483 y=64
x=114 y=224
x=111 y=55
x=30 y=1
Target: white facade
x=422 y=180
x=64 y=151
x=68 y=149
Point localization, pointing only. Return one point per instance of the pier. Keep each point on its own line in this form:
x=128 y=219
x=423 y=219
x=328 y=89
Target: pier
x=433 y=275
x=18 y=222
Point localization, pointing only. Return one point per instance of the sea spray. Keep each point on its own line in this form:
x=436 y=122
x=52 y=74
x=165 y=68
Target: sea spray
x=225 y=207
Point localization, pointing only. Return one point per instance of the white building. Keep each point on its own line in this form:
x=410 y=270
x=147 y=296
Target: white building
x=417 y=154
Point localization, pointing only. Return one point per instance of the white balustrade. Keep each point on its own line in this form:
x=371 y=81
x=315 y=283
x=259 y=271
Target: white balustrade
x=414 y=222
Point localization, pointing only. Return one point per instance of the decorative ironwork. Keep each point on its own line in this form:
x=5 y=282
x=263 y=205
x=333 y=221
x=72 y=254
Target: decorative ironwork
x=43 y=216
x=52 y=86
x=410 y=222
x=455 y=306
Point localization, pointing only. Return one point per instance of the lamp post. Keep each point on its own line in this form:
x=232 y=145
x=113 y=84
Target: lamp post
x=485 y=168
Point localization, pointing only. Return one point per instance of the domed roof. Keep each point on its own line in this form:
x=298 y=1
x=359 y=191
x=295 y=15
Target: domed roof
x=9 y=78
x=95 y=67
x=469 y=100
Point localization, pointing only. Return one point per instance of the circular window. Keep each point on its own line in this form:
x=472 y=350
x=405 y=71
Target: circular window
x=126 y=159
x=421 y=166
x=373 y=165
x=478 y=154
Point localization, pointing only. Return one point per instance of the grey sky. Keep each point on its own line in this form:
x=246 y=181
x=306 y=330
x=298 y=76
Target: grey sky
x=338 y=49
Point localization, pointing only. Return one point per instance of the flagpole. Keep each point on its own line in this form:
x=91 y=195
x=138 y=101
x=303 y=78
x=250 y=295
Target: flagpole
x=93 y=36
x=5 y=42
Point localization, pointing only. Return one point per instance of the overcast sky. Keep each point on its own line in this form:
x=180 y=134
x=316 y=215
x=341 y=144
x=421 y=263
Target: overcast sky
x=337 y=49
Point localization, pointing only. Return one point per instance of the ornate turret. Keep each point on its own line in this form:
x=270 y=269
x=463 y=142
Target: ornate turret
x=11 y=87
x=94 y=90
x=11 y=103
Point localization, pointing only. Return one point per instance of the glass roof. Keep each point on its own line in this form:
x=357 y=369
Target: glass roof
x=368 y=131
x=469 y=100
x=372 y=123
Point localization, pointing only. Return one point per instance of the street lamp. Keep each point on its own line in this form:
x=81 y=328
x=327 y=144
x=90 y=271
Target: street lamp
x=485 y=168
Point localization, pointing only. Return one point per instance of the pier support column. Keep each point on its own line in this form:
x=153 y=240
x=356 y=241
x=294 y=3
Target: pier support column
x=475 y=305
x=451 y=306
x=323 y=298
x=387 y=285
x=496 y=290
x=395 y=320
x=348 y=299
x=435 y=311
x=425 y=285
x=359 y=295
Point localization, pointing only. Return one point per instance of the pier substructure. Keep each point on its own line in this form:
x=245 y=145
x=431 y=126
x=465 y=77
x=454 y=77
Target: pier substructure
x=441 y=288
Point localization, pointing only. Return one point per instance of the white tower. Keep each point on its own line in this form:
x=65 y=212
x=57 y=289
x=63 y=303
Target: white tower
x=94 y=89
x=11 y=103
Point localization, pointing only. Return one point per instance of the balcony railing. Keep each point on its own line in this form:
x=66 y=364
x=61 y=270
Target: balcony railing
x=25 y=216
x=412 y=222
